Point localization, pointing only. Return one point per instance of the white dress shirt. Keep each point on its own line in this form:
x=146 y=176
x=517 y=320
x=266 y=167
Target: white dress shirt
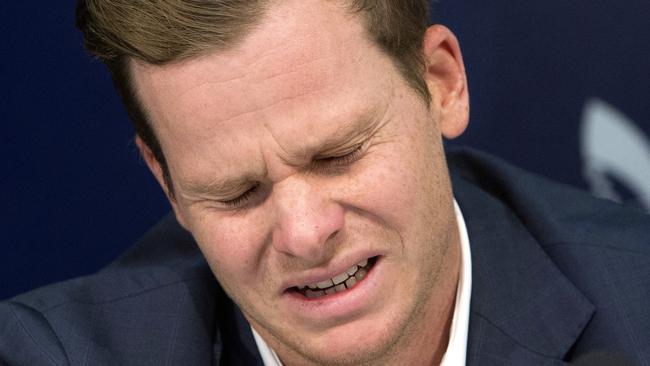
x=456 y=352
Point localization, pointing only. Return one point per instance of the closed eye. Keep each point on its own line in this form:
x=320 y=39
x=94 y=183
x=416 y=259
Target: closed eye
x=243 y=199
x=328 y=165
x=336 y=163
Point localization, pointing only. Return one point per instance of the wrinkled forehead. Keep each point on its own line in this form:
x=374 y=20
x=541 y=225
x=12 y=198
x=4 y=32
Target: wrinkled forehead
x=289 y=34
x=298 y=54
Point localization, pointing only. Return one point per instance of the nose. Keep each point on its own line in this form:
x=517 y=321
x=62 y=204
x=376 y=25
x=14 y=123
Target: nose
x=307 y=220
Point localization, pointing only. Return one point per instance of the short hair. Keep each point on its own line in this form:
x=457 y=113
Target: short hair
x=160 y=32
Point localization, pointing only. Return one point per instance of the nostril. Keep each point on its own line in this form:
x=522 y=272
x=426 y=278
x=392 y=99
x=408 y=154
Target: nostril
x=333 y=235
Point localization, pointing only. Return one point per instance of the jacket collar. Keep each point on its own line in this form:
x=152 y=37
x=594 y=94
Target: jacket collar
x=523 y=309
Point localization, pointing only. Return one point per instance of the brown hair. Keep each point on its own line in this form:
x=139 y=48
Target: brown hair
x=165 y=31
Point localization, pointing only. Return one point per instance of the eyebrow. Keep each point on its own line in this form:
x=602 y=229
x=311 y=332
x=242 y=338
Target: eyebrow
x=369 y=120
x=218 y=187
x=349 y=134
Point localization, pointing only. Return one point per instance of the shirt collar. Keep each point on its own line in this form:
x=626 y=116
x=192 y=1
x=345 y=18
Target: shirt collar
x=269 y=357
x=457 y=348
x=456 y=353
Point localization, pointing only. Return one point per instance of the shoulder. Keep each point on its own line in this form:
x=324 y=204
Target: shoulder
x=601 y=247
x=555 y=214
x=137 y=295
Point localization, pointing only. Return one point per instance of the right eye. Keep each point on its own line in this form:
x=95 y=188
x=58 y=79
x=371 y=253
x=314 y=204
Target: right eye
x=242 y=199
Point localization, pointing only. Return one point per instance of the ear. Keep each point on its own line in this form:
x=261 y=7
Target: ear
x=446 y=79
x=156 y=170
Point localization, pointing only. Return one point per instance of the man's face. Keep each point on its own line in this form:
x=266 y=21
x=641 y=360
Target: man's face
x=298 y=156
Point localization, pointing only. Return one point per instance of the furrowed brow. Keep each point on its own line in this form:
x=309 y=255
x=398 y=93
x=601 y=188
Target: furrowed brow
x=350 y=133
x=216 y=188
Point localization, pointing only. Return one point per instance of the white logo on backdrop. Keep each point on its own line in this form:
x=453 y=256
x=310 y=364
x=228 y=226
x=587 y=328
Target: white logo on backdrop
x=613 y=146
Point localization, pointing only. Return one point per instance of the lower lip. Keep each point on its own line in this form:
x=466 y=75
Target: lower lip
x=334 y=307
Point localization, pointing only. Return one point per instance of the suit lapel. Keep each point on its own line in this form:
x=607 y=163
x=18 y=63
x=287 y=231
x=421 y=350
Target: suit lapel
x=523 y=309
x=234 y=344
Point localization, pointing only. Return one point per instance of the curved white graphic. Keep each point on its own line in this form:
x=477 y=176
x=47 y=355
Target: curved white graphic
x=612 y=145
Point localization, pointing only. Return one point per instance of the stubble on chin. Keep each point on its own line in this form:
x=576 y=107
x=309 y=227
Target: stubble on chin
x=407 y=330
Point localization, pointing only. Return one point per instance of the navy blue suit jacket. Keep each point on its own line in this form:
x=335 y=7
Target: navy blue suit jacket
x=557 y=275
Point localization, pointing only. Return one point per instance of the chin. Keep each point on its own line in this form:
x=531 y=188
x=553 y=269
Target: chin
x=355 y=343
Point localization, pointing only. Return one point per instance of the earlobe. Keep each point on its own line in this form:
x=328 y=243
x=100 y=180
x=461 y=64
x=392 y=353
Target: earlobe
x=446 y=79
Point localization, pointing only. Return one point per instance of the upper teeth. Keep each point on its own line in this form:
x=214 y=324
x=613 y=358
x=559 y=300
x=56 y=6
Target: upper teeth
x=340 y=278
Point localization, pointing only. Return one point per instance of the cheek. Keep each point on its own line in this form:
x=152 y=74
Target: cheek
x=233 y=246
x=402 y=187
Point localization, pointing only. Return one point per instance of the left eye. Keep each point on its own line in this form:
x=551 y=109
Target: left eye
x=340 y=161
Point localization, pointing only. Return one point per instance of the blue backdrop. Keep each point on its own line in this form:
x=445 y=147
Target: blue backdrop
x=558 y=87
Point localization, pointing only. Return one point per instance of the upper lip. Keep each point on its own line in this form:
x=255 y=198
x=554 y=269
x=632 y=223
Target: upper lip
x=316 y=275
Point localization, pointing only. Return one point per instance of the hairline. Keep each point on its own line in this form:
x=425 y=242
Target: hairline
x=131 y=85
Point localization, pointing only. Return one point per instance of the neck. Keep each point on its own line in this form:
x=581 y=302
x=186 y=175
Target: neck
x=428 y=340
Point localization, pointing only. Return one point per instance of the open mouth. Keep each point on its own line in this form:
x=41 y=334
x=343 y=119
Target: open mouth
x=338 y=283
